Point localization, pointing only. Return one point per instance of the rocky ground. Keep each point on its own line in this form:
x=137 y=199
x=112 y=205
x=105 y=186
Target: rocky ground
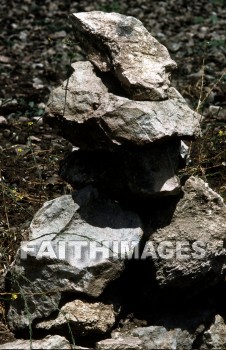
x=37 y=48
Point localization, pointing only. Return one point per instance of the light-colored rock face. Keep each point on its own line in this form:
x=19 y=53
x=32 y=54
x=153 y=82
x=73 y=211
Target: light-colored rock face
x=215 y=336
x=92 y=118
x=85 y=318
x=74 y=247
x=80 y=96
x=194 y=253
x=49 y=342
x=121 y=44
x=145 y=338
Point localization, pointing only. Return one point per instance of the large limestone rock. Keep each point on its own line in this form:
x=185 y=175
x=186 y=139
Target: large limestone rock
x=188 y=251
x=75 y=246
x=90 y=117
x=121 y=44
x=85 y=318
x=119 y=173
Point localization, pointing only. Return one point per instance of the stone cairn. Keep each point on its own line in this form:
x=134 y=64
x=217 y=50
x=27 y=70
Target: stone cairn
x=86 y=278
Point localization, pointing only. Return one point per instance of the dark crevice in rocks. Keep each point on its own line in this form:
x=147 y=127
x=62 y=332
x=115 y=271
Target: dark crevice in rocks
x=65 y=331
x=145 y=303
x=111 y=82
x=198 y=340
x=7 y=289
x=117 y=174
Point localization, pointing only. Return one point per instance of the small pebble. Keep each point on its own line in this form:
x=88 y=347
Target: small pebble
x=214 y=109
x=38 y=120
x=35 y=139
x=3 y=121
x=23 y=119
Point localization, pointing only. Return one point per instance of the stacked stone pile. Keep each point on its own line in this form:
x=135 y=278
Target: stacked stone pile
x=126 y=123
x=121 y=111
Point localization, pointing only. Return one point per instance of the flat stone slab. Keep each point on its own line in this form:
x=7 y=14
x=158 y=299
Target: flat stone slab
x=90 y=117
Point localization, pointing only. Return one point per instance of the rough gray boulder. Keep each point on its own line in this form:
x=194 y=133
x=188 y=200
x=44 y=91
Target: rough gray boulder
x=81 y=95
x=121 y=44
x=85 y=318
x=215 y=336
x=49 y=342
x=121 y=343
x=157 y=337
x=90 y=117
x=191 y=243
x=119 y=173
x=75 y=246
x=145 y=338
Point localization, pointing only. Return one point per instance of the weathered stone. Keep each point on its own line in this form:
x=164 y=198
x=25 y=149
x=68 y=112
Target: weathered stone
x=121 y=44
x=123 y=343
x=85 y=318
x=157 y=337
x=49 y=342
x=191 y=242
x=48 y=269
x=5 y=335
x=80 y=95
x=119 y=173
x=215 y=336
x=91 y=118
x=145 y=338
x=3 y=121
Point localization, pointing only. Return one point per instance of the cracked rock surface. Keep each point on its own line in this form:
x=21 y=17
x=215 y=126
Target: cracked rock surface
x=90 y=117
x=125 y=47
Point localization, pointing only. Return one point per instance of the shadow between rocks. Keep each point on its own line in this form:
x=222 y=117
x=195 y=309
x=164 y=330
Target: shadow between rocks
x=144 y=303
